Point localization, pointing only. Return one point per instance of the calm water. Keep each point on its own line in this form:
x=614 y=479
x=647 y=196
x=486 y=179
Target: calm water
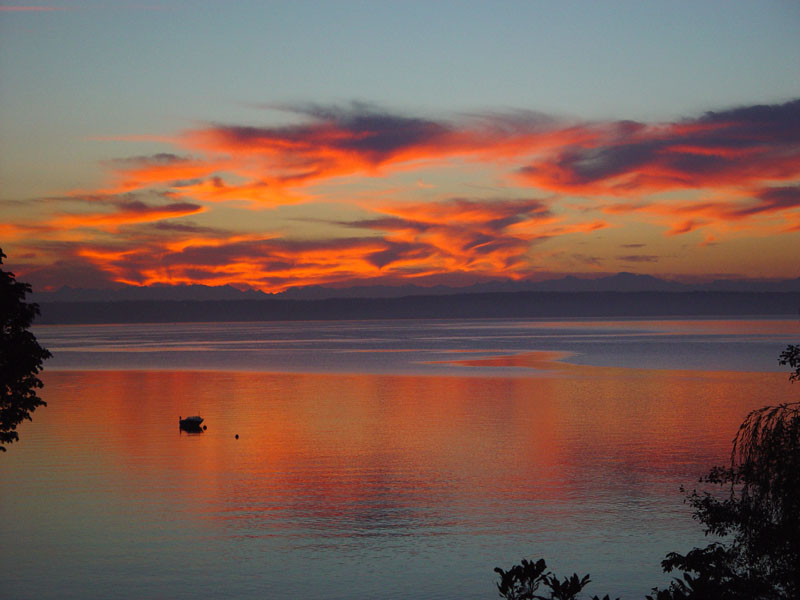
x=375 y=460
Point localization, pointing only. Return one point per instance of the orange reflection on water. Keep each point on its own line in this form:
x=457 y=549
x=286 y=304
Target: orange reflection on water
x=341 y=440
x=347 y=470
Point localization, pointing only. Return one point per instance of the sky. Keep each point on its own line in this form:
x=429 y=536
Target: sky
x=275 y=145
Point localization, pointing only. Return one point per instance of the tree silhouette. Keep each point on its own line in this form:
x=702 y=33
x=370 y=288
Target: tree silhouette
x=21 y=357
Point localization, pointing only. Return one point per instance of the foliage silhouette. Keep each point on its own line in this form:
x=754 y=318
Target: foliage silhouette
x=21 y=357
x=791 y=357
x=758 y=515
x=755 y=511
x=522 y=581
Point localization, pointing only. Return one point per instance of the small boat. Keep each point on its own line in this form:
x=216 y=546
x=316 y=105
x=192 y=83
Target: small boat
x=190 y=423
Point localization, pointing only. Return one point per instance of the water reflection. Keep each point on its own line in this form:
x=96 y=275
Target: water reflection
x=357 y=474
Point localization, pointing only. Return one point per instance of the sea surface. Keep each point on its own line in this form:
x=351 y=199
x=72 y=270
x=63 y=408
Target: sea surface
x=375 y=459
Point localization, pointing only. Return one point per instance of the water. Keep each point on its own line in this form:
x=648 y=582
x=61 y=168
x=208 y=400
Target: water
x=418 y=347
x=379 y=459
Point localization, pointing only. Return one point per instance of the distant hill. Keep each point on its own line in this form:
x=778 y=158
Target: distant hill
x=621 y=282
x=477 y=305
x=148 y=293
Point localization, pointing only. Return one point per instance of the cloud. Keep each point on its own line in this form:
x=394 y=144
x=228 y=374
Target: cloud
x=335 y=142
x=376 y=136
x=747 y=147
x=584 y=259
x=684 y=217
x=732 y=169
x=165 y=170
x=773 y=200
x=160 y=158
x=639 y=258
x=125 y=213
x=266 y=263
x=743 y=146
x=450 y=239
x=14 y=231
x=64 y=267
x=753 y=148
x=256 y=193
x=490 y=237
x=465 y=234
x=360 y=139
x=185 y=228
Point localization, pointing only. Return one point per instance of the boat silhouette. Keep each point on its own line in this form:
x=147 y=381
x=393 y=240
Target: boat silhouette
x=193 y=424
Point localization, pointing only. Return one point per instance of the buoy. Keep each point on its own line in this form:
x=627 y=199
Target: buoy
x=205 y=427
x=237 y=436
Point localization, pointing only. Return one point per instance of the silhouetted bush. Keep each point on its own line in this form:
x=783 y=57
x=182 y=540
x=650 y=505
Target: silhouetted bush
x=522 y=581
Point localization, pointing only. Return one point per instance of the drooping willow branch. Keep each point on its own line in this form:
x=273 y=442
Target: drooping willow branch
x=766 y=459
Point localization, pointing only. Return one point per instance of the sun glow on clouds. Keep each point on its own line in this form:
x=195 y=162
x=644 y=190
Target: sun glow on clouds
x=551 y=181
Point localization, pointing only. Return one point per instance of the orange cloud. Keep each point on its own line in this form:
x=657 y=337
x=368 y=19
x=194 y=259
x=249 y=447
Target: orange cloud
x=267 y=264
x=164 y=171
x=256 y=193
x=744 y=163
x=684 y=217
x=12 y=231
x=740 y=147
x=259 y=164
x=266 y=166
x=125 y=213
x=756 y=145
x=341 y=142
x=412 y=241
x=463 y=234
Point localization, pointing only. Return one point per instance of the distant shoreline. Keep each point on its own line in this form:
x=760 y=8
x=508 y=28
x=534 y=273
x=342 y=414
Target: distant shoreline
x=460 y=306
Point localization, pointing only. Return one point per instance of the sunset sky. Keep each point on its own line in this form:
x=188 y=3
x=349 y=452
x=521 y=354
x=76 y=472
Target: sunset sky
x=272 y=145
